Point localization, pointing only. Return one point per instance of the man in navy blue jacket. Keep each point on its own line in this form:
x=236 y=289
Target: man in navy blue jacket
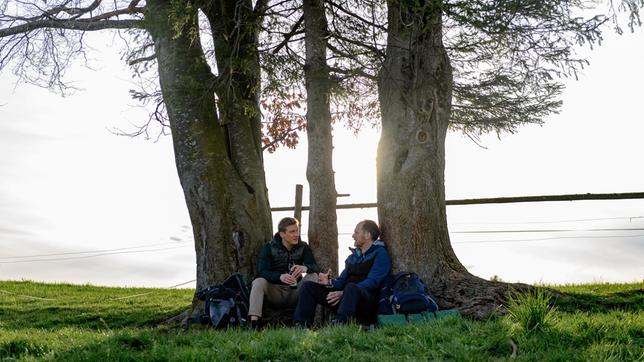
x=354 y=294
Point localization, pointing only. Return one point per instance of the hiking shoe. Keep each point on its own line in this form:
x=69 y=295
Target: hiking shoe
x=339 y=322
x=253 y=325
x=300 y=325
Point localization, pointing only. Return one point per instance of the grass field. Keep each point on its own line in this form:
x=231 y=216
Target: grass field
x=603 y=322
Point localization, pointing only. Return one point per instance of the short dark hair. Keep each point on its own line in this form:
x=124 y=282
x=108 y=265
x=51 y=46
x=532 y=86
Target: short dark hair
x=286 y=222
x=371 y=227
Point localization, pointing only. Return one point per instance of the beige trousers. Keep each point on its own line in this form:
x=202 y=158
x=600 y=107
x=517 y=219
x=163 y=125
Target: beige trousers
x=278 y=296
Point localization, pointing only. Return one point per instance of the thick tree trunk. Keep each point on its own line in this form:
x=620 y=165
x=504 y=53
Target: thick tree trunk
x=323 y=229
x=235 y=30
x=221 y=174
x=415 y=91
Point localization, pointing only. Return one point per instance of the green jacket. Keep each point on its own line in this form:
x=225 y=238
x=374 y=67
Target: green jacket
x=274 y=259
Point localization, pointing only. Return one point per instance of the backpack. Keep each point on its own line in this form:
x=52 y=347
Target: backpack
x=406 y=293
x=226 y=304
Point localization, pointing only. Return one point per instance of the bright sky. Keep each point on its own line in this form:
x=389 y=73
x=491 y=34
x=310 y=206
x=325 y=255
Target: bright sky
x=109 y=210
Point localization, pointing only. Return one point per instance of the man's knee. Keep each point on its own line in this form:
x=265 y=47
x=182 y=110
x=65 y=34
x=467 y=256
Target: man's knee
x=307 y=286
x=351 y=288
x=259 y=284
x=313 y=277
x=257 y=293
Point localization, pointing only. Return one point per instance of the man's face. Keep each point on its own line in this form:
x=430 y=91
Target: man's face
x=291 y=235
x=360 y=236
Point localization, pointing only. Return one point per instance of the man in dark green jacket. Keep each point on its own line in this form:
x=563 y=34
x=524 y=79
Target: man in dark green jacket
x=282 y=263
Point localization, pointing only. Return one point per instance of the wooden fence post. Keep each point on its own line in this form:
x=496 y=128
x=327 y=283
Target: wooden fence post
x=298 y=203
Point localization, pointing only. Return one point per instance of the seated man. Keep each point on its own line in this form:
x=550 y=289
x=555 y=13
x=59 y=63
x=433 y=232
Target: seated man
x=282 y=262
x=354 y=294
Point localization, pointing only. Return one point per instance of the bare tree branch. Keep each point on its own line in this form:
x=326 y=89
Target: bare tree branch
x=283 y=136
x=344 y=9
x=79 y=24
x=287 y=37
x=142 y=59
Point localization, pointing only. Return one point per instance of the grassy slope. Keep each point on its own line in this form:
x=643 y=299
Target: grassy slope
x=594 y=322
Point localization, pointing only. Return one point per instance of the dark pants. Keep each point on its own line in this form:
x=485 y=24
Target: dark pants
x=356 y=303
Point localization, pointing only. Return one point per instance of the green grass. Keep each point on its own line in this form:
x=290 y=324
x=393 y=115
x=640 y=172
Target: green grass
x=603 y=322
x=531 y=312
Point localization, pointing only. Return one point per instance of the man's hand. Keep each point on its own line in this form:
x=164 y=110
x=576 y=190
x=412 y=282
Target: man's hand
x=288 y=279
x=334 y=298
x=297 y=270
x=323 y=278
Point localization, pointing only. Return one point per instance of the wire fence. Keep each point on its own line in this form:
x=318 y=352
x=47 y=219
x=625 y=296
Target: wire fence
x=520 y=229
x=298 y=208
x=85 y=254
x=164 y=246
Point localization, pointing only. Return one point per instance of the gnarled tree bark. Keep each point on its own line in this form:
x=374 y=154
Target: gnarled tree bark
x=218 y=155
x=415 y=91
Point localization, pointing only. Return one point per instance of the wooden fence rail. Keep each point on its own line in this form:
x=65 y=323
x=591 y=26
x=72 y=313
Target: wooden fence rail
x=498 y=200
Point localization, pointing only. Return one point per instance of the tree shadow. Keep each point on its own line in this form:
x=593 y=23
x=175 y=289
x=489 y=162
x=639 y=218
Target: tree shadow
x=55 y=317
x=631 y=300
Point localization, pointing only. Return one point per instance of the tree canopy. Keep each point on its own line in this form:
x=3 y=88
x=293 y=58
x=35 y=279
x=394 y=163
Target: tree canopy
x=507 y=56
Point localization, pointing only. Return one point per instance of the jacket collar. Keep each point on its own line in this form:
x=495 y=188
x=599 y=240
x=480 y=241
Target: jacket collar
x=376 y=244
x=277 y=241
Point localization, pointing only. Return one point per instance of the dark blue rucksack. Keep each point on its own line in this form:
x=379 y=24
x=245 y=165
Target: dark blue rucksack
x=226 y=304
x=406 y=293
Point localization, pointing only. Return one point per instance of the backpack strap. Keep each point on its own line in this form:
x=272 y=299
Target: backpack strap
x=400 y=276
x=240 y=319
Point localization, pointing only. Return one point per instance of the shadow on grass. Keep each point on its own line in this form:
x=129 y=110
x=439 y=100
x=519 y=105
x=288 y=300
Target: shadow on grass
x=632 y=300
x=328 y=344
x=119 y=347
x=20 y=348
x=55 y=317
x=584 y=342
x=167 y=345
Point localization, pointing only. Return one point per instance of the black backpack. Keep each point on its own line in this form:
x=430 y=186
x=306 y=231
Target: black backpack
x=406 y=293
x=226 y=304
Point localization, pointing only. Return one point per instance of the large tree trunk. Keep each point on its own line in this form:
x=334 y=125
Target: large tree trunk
x=415 y=91
x=323 y=228
x=220 y=166
x=235 y=30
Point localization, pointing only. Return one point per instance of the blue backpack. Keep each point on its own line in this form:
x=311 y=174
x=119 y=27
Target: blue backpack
x=406 y=293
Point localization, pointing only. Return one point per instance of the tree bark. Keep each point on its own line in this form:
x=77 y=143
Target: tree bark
x=322 y=227
x=415 y=93
x=218 y=158
x=235 y=30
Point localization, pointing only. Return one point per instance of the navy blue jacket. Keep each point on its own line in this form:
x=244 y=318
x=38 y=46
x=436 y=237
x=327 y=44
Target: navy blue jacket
x=367 y=270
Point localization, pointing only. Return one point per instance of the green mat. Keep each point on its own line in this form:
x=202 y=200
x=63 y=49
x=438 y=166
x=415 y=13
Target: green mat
x=402 y=319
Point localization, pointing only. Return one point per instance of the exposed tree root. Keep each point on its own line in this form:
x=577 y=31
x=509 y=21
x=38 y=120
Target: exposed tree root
x=474 y=297
x=188 y=317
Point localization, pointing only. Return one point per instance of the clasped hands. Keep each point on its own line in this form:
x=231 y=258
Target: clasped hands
x=295 y=272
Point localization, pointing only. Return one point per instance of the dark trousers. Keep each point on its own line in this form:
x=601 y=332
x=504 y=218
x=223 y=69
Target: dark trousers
x=356 y=303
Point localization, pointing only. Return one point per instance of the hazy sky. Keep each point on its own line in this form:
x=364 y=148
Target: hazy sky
x=80 y=204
